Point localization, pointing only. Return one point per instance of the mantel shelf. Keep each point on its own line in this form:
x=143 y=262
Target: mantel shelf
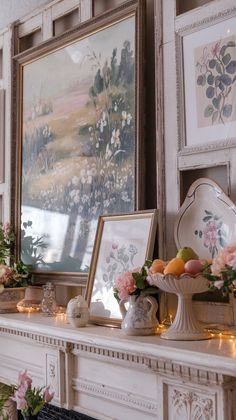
x=217 y=353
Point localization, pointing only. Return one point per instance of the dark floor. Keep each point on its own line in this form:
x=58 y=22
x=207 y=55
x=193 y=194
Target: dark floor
x=49 y=412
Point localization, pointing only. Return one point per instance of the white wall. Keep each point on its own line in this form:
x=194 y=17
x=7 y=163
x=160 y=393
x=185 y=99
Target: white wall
x=11 y=10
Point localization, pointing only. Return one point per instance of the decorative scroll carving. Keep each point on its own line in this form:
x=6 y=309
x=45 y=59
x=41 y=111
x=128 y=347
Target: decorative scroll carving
x=191 y=406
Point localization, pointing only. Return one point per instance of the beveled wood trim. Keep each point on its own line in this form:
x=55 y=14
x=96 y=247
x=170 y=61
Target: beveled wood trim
x=2 y=134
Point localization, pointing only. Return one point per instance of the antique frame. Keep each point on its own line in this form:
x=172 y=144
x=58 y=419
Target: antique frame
x=2 y=131
x=196 y=133
x=133 y=11
x=123 y=242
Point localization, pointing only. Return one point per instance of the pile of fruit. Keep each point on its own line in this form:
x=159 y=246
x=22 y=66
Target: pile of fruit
x=186 y=261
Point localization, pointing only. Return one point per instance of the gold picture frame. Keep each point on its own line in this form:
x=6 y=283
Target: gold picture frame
x=123 y=242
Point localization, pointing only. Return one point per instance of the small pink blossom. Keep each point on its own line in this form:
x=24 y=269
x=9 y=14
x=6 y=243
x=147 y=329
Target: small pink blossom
x=48 y=396
x=115 y=245
x=5 y=273
x=125 y=284
x=21 y=403
x=210 y=234
x=24 y=379
x=6 y=227
x=219 y=284
x=225 y=257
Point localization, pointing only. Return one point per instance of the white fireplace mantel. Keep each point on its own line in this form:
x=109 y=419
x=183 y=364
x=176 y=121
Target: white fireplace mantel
x=103 y=373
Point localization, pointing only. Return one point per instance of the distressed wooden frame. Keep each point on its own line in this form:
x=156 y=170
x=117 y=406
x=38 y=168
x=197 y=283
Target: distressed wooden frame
x=2 y=134
x=180 y=33
x=131 y=8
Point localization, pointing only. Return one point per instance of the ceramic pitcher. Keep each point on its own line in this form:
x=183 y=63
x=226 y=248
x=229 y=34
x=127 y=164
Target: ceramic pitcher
x=140 y=317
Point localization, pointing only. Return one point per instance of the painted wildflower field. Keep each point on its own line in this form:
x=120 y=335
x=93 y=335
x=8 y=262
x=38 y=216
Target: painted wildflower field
x=78 y=145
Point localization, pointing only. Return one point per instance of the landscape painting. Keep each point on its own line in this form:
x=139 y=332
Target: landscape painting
x=78 y=145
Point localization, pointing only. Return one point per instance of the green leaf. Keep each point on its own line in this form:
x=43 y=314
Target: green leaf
x=231 y=68
x=231 y=44
x=218 y=68
x=227 y=110
x=226 y=59
x=210 y=92
x=215 y=116
x=208 y=111
x=222 y=50
x=212 y=63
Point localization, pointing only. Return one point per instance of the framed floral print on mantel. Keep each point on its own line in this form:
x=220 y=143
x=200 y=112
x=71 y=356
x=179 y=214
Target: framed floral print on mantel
x=79 y=139
x=123 y=242
x=206 y=76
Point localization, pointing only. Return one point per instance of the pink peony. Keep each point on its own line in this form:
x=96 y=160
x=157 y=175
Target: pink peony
x=47 y=395
x=225 y=257
x=125 y=284
x=5 y=273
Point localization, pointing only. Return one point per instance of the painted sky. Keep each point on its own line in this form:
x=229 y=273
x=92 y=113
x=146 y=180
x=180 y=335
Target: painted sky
x=51 y=75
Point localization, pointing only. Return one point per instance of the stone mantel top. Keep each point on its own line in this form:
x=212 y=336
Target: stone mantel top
x=217 y=354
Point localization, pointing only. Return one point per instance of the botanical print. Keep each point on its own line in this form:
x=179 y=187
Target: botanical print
x=213 y=233
x=215 y=82
x=78 y=145
x=119 y=259
x=123 y=246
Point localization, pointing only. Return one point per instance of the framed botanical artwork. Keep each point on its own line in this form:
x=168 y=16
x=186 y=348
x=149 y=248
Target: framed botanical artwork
x=2 y=130
x=79 y=138
x=123 y=242
x=206 y=71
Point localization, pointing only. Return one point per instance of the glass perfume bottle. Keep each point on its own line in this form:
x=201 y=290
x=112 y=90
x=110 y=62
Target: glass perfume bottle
x=48 y=304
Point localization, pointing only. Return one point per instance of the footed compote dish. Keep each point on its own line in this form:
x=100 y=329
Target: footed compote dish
x=185 y=325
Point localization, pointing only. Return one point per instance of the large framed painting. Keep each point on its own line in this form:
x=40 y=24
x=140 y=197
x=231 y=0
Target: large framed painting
x=206 y=70
x=123 y=243
x=79 y=138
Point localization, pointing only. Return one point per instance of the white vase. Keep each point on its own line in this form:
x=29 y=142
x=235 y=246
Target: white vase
x=140 y=317
x=9 y=299
x=185 y=325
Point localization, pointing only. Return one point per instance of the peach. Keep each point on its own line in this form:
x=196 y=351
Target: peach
x=193 y=266
x=157 y=266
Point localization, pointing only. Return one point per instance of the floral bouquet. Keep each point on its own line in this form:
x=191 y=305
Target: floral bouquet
x=11 y=274
x=30 y=400
x=134 y=282
x=221 y=273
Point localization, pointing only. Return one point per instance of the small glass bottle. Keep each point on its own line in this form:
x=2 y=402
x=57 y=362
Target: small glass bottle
x=48 y=304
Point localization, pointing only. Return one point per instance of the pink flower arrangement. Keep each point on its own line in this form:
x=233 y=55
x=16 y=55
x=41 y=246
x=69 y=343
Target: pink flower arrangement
x=222 y=271
x=28 y=399
x=125 y=284
x=134 y=282
x=6 y=274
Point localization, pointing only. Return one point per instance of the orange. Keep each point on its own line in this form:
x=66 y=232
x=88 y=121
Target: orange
x=175 y=266
x=157 y=266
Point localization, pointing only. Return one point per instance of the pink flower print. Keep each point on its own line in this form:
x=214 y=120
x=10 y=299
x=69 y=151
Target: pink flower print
x=216 y=49
x=210 y=235
x=115 y=245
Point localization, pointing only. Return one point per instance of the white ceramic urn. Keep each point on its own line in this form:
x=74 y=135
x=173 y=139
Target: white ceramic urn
x=77 y=311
